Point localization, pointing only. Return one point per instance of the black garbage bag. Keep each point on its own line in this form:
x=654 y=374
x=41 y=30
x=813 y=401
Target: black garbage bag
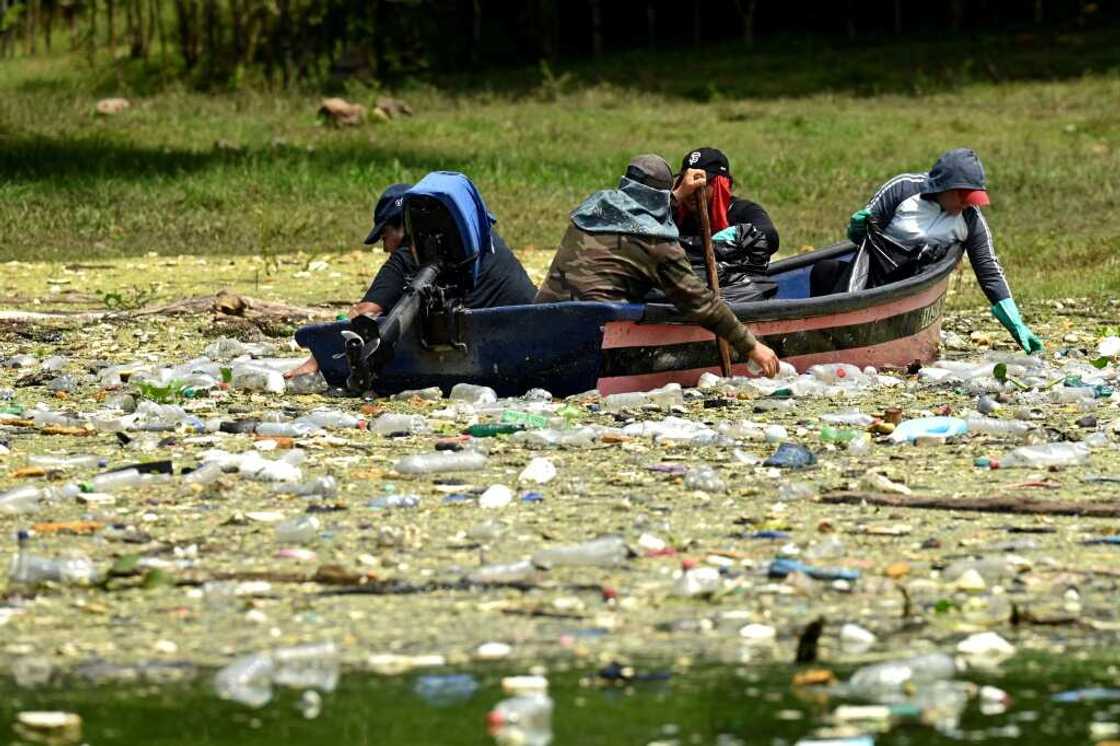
x=882 y=260
x=742 y=258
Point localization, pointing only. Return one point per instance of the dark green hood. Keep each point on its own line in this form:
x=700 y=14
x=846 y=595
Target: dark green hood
x=633 y=209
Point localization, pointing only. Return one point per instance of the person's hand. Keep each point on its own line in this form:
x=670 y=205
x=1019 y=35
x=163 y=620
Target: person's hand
x=765 y=359
x=1008 y=314
x=691 y=181
x=857 y=226
x=365 y=307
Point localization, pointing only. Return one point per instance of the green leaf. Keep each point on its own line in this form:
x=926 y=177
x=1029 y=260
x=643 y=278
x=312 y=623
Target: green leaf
x=1101 y=362
x=1000 y=372
x=125 y=565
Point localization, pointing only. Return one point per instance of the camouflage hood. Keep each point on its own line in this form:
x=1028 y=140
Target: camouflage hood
x=633 y=209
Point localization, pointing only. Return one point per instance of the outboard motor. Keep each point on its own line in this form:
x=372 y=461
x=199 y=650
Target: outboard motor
x=449 y=228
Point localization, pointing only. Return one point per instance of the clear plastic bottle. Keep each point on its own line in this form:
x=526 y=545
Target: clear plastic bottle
x=115 y=480
x=66 y=462
x=1047 y=454
x=605 y=551
x=539 y=470
x=704 y=478
x=390 y=424
x=626 y=401
x=311 y=666
x=699 y=581
x=580 y=437
x=330 y=418
x=295 y=429
x=313 y=383
x=507 y=573
x=23 y=499
x=996 y=426
x=833 y=373
x=668 y=396
x=299 y=530
x=889 y=680
x=247 y=680
x=441 y=461
x=325 y=486
x=32 y=570
x=472 y=394
x=525 y=720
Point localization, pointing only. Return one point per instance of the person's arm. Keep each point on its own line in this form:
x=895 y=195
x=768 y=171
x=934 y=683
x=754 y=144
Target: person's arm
x=694 y=299
x=388 y=285
x=982 y=255
x=882 y=206
x=745 y=211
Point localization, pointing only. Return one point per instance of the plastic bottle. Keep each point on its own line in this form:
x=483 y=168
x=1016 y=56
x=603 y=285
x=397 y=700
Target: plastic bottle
x=471 y=394
x=605 y=551
x=626 y=401
x=330 y=418
x=996 y=426
x=114 y=480
x=580 y=437
x=251 y=378
x=525 y=721
x=539 y=470
x=1047 y=454
x=833 y=373
x=441 y=461
x=22 y=499
x=699 y=581
x=66 y=462
x=204 y=474
x=288 y=429
x=313 y=383
x=31 y=570
x=391 y=424
x=325 y=486
x=389 y=502
x=432 y=393
x=705 y=479
x=507 y=573
x=668 y=396
x=299 y=530
x=311 y=666
x=247 y=680
x=889 y=680
x=830 y=434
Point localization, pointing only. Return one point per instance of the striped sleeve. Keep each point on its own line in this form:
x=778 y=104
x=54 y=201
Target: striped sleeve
x=892 y=194
x=982 y=255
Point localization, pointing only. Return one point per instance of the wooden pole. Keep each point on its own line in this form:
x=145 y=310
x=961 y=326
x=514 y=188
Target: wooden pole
x=713 y=277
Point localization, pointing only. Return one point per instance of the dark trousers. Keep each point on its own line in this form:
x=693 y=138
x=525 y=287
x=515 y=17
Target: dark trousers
x=829 y=276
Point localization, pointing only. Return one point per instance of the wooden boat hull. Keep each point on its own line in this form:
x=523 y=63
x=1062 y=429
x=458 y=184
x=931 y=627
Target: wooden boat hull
x=568 y=348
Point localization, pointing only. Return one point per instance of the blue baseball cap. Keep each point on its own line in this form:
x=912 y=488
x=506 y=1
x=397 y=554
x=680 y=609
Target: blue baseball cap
x=389 y=209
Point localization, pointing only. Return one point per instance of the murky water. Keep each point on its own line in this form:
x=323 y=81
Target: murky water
x=665 y=704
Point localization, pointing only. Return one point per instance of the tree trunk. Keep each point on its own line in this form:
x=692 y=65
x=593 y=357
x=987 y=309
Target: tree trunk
x=850 y=21
x=651 y=26
x=1038 y=12
x=48 y=24
x=476 y=31
x=956 y=14
x=112 y=27
x=31 y=21
x=746 y=9
x=898 y=17
x=596 y=29
x=187 y=11
x=91 y=42
x=696 y=27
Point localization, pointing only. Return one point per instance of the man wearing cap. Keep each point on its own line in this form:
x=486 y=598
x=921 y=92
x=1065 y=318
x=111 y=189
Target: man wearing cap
x=744 y=236
x=938 y=209
x=502 y=280
x=623 y=242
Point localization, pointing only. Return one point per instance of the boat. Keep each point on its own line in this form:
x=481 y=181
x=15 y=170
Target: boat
x=572 y=347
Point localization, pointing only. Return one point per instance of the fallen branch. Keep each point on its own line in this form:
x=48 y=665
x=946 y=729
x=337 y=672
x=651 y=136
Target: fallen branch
x=1018 y=505
x=221 y=304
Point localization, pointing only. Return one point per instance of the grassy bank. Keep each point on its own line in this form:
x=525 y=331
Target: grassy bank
x=253 y=172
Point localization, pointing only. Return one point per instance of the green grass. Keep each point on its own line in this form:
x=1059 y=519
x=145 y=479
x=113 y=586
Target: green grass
x=252 y=172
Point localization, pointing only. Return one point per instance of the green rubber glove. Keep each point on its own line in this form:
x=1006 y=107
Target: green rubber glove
x=857 y=225
x=1008 y=314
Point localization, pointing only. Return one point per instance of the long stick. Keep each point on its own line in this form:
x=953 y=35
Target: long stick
x=999 y=504
x=713 y=277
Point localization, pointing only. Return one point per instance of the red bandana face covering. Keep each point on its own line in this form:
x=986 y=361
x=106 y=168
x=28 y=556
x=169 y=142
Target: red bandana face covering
x=719 y=200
